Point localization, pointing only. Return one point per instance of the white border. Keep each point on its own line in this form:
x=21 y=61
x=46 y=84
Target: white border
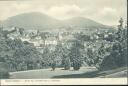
x=78 y=81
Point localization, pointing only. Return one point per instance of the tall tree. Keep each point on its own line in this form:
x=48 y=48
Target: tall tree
x=66 y=63
x=118 y=54
x=75 y=55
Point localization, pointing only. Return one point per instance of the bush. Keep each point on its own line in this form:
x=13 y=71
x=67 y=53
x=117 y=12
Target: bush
x=108 y=63
x=67 y=64
x=4 y=72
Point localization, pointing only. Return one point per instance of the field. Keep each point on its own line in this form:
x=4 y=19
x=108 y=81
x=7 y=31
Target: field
x=84 y=72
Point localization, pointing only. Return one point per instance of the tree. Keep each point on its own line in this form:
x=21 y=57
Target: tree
x=118 y=54
x=46 y=57
x=111 y=37
x=4 y=71
x=90 y=57
x=6 y=32
x=66 y=63
x=82 y=37
x=43 y=36
x=75 y=55
x=21 y=31
x=101 y=53
x=18 y=54
x=57 y=55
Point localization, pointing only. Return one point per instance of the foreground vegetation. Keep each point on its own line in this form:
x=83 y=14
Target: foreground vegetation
x=22 y=55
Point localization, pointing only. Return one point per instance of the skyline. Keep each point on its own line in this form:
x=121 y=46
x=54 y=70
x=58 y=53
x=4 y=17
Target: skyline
x=106 y=12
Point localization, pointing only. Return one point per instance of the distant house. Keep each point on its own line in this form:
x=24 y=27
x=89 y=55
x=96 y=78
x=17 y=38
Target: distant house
x=48 y=42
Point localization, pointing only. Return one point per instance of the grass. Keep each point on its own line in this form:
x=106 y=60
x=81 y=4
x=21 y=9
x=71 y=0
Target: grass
x=115 y=73
x=91 y=74
x=47 y=73
x=84 y=72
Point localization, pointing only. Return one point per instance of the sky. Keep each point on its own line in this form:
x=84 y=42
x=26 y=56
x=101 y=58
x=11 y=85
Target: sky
x=107 y=12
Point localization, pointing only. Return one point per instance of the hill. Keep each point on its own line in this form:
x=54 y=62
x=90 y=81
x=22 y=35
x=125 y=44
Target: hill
x=81 y=22
x=32 y=20
x=36 y=20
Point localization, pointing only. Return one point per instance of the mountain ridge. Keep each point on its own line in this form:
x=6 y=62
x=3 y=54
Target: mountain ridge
x=78 y=21
x=34 y=20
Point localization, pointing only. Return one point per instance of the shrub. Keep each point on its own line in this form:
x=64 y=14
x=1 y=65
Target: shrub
x=4 y=72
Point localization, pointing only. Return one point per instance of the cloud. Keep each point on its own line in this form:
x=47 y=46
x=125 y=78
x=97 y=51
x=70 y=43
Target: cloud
x=108 y=14
x=103 y=11
x=108 y=10
x=64 y=12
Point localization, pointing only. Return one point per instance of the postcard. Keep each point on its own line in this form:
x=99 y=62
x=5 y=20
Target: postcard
x=63 y=42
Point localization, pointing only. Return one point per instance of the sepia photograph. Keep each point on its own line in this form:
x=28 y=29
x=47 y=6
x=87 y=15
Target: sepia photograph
x=63 y=39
